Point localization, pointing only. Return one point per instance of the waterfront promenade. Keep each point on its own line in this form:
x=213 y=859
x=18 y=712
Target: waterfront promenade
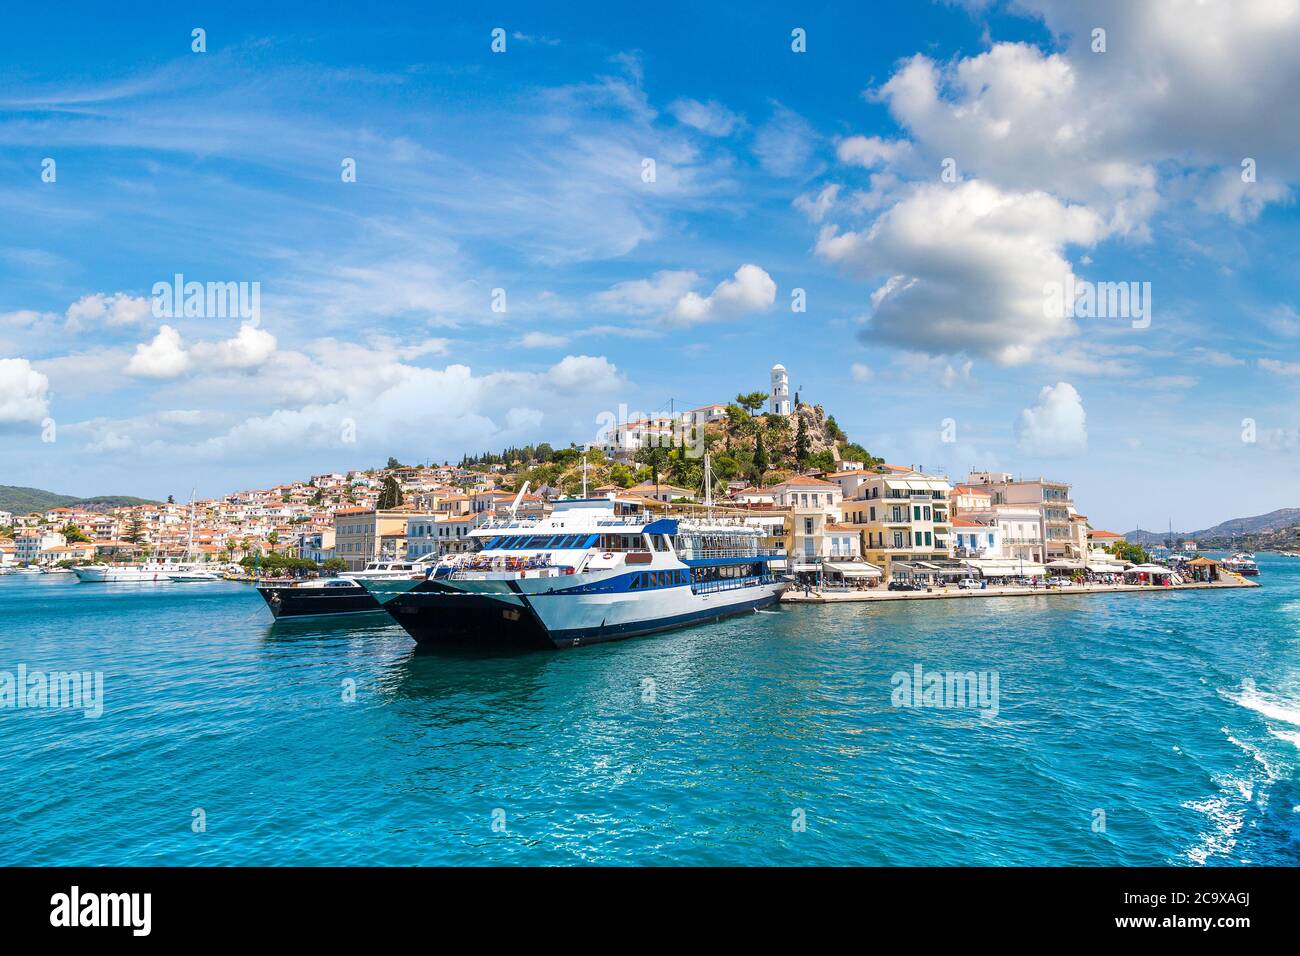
x=832 y=596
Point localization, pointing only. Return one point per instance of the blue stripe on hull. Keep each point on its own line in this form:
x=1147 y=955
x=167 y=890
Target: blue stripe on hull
x=619 y=632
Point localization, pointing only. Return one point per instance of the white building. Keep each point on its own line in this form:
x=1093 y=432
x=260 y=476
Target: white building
x=976 y=539
x=779 y=399
x=29 y=545
x=1050 y=502
x=440 y=534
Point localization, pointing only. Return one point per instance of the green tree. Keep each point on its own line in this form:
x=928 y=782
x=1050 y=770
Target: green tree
x=655 y=457
x=621 y=475
x=544 y=452
x=761 y=462
x=801 y=444
x=393 y=463
x=134 y=530
x=1127 y=551
x=834 y=431
x=390 y=494
x=73 y=534
x=751 y=401
x=823 y=460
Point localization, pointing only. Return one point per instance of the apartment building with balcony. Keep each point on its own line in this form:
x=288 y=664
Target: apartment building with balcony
x=1050 y=502
x=902 y=517
x=441 y=534
x=364 y=534
x=813 y=505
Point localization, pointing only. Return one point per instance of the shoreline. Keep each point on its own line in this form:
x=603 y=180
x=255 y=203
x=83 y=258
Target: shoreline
x=880 y=594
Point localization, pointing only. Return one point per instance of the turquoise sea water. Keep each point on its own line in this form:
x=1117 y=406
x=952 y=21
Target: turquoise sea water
x=701 y=746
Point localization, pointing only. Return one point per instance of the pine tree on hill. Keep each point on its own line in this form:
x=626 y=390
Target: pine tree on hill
x=390 y=496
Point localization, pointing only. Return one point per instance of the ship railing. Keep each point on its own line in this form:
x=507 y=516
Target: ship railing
x=694 y=553
x=730 y=584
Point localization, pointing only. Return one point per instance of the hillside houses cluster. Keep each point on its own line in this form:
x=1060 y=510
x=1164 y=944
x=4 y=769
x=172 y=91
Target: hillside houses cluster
x=858 y=525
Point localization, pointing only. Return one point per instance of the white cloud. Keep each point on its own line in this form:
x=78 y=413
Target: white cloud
x=1279 y=368
x=163 y=357
x=542 y=340
x=965 y=267
x=23 y=393
x=816 y=206
x=712 y=117
x=1216 y=358
x=751 y=290
x=648 y=296
x=1055 y=425
x=116 y=311
x=523 y=420
x=381 y=403
x=249 y=348
x=584 y=372
x=785 y=144
x=871 y=151
x=1227 y=194
x=860 y=372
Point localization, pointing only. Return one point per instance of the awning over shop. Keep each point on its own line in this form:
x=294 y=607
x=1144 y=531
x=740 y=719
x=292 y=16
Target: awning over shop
x=1098 y=568
x=992 y=568
x=806 y=567
x=856 y=569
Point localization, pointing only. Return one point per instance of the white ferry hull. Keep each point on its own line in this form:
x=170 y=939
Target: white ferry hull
x=441 y=612
x=124 y=575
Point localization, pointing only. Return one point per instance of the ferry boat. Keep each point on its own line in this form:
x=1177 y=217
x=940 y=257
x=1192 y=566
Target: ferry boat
x=594 y=570
x=339 y=595
x=1243 y=563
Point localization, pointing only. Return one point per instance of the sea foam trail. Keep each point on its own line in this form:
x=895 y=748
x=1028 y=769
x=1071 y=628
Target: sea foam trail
x=1286 y=711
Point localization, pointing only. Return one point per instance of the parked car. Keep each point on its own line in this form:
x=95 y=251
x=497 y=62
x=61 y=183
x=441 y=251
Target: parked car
x=970 y=584
x=905 y=586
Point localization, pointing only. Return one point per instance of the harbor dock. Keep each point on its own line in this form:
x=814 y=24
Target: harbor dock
x=832 y=596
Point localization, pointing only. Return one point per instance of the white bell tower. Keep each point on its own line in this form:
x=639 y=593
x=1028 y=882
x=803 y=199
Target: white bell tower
x=779 y=402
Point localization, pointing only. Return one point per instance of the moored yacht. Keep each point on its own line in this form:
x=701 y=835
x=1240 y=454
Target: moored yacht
x=149 y=572
x=594 y=570
x=1243 y=563
x=340 y=595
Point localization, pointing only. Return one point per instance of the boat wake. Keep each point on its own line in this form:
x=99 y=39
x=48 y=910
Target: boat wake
x=1274 y=708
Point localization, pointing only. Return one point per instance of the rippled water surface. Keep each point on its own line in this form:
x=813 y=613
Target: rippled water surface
x=1177 y=716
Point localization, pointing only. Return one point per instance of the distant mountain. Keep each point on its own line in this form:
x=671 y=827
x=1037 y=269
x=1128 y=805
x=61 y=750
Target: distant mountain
x=21 y=501
x=1260 y=529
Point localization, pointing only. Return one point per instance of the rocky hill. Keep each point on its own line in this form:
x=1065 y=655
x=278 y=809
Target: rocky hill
x=760 y=449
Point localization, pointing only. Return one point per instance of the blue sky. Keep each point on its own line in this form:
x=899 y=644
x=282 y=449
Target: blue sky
x=774 y=171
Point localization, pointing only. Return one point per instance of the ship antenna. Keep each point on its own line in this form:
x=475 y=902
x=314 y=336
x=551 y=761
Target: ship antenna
x=708 y=481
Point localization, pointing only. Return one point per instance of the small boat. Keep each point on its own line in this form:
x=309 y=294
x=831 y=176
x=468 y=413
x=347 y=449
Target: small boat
x=122 y=573
x=340 y=595
x=194 y=574
x=1242 y=563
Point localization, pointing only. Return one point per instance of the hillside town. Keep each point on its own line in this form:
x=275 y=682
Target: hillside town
x=841 y=521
